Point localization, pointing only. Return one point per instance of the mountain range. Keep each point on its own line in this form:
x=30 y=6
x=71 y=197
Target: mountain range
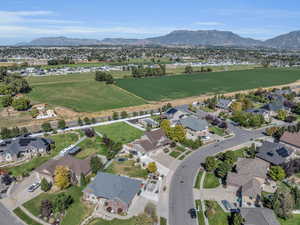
x=180 y=38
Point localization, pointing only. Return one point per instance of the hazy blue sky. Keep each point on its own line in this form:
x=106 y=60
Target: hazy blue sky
x=23 y=20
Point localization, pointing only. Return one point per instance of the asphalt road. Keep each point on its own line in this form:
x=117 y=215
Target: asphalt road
x=181 y=197
x=6 y=218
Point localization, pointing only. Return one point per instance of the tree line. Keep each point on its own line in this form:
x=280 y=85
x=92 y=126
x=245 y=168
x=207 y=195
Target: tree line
x=140 y=71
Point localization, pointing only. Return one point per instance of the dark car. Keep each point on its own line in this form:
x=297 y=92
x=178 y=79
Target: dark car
x=193 y=213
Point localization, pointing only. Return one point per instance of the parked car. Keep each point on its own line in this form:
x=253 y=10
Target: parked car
x=193 y=213
x=33 y=187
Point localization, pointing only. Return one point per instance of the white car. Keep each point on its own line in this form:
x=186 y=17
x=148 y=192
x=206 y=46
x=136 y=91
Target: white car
x=33 y=187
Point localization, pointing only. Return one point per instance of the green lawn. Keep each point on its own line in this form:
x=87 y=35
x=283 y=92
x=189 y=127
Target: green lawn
x=163 y=221
x=200 y=214
x=127 y=168
x=75 y=213
x=211 y=181
x=113 y=222
x=120 y=132
x=175 y=154
x=220 y=217
x=217 y=130
x=23 y=216
x=91 y=146
x=80 y=93
x=198 y=179
x=295 y=220
x=172 y=87
x=61 y=141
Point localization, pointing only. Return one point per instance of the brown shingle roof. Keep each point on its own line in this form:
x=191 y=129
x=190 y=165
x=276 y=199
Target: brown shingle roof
x=291 y=138
x=78 y=166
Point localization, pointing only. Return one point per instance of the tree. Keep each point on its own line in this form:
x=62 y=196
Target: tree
x=115 y=116
x=210 y=163
x=87 y=121
x=152 y=168
x=96 y=164
x=6 y=100
x=237 y=106
x=277 y=173
x=82 y=180
x=62 y=202
x=188 y=69
x=283 y=203
x=281 y=115
x=62 y=177
x=45 y=185
x=166 y=126
x=222 y=169
x=21 y=103
x=236 y=219
x=61 y=124
x=46 y=127
x=80 y=123
x=124 y=114
x=251 y=151
x=46 y=208
x=34 y=112
x=178 y=133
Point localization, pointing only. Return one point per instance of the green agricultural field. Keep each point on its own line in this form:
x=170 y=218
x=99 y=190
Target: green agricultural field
x=172 y=87
x=80 y=93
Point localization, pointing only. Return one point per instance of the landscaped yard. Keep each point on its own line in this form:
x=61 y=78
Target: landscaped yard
x=217 y=131
x=75 y=213
x=200 y=214
x=211 y=181
x=81 y=93
x=91 y=146
x=172 y=87
x=198 y=179
x=23 y=216
x=120 y=132
x=175 y=154
x=293 y=221
x=219 y=217
x=127 y=168
x=61 y=141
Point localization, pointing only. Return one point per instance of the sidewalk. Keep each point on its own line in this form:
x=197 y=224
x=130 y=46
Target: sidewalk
x=202 y=200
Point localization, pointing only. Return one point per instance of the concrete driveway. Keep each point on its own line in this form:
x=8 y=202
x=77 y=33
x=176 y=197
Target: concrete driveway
x=217 y=194
x=19 y=194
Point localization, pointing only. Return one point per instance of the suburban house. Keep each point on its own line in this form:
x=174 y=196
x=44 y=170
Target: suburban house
x=76 y=166
x=291 y=139
x=274 y=153
x=173 y=115
x=151 y=141
x=265 y=113
x=23 y=147
x=195 y=127
x=258 y=216
x=249 y=179
x=276 y=105
x=224 y=104
x=115 y=193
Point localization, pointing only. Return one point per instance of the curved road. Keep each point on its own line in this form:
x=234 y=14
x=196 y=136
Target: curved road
x=181 y=197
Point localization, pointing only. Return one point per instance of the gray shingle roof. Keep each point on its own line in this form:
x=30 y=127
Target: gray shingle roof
x=273 y=152
x=110 y=186
x=224 y=103
x=193 y=123
x=259 y=216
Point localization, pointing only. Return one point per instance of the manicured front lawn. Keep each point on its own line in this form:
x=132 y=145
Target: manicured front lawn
x=75 y=213
x=61 y=141
x=91 y=146
x=200 y=214
x=120 y=132
x=219 y=217
x=23 y=216
x=217 y=131
x=211 y=181
x=175 y=154
x=198 y=179
x=127 y=168
x=295 y=220
x=113 y=222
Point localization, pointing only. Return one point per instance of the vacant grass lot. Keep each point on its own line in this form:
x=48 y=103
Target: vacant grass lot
x=91 y=146
x=172 y=87
x=75 y=213
x=127 y=168
x=80 y=93
x=120 y=132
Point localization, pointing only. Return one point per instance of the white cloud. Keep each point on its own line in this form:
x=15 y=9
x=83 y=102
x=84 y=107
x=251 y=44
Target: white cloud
x=208 y=24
